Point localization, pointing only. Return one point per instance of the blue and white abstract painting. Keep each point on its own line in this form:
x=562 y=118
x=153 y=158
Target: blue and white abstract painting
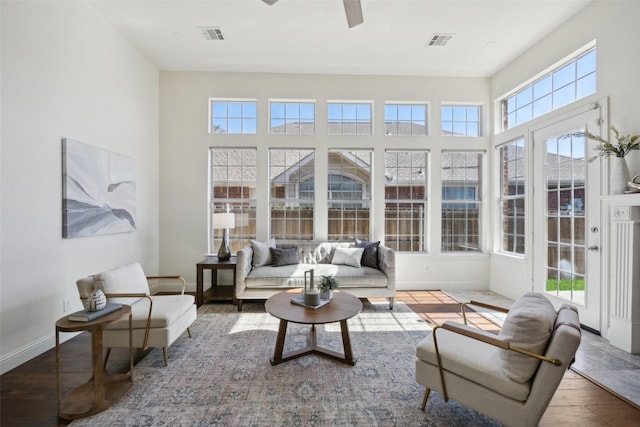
x=98 y=190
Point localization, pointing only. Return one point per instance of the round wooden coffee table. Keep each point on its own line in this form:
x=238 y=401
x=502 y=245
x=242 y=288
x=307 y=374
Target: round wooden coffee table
x=343 y=306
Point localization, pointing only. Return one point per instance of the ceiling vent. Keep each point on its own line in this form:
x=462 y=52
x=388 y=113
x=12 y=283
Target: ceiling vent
x=212 y=33
x=440 y=39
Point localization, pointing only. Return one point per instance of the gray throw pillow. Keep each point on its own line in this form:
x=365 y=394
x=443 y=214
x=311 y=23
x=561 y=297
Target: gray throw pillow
x=261 y=254
x=280 y=257
x=370 y=255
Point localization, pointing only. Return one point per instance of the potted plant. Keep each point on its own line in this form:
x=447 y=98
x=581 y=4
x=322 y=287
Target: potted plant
x=619 y=174
x=328 y=284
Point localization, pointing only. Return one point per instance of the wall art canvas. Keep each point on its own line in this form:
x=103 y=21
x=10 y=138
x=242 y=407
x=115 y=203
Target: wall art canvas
x=98 y=190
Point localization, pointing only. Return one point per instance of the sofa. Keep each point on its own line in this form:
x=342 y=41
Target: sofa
x=364 y=269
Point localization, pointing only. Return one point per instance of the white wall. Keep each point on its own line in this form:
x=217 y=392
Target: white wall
x=185 y=141
x=614 y=26
x=65 y=73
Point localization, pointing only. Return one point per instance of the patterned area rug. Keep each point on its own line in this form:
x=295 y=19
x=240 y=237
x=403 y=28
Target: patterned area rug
x=222 y=376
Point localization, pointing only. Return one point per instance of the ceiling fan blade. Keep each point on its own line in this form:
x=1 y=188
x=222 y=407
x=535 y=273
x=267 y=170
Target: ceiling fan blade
x=353 y=10
x=270 y=2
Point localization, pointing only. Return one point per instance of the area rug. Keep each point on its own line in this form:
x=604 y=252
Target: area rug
x=222 y=376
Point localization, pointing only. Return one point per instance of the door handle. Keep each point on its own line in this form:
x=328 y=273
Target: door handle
x=593 y=248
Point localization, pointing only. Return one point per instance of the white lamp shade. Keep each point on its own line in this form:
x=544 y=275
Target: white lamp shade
x=223 y=220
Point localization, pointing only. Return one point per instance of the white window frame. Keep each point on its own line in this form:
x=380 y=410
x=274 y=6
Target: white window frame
x=291 y=204
x=345 y=205
x=242 y=118
x=477 y=200
x=520 y=159
x=502 y=103
x=413 y=174
x=243 y=208
x=299 y=126
x=465 y=121
x=359 y=124
x=411 y=104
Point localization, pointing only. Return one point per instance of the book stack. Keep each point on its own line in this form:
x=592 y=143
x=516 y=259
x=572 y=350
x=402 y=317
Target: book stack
x=299 y=300
x=88 y=316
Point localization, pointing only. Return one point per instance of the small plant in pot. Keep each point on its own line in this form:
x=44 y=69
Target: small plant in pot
x=328 y=284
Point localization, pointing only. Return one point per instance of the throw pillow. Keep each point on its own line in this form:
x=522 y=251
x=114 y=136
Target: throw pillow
x=370 y=255
x=282 y=257
x=129 y=279
x=528 y=325
x=347 y=256
x=261 y=253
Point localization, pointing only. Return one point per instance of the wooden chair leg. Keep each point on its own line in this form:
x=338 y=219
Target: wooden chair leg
x=189 y=332
x=165 y=356
x=106 y=357
x=424 y=399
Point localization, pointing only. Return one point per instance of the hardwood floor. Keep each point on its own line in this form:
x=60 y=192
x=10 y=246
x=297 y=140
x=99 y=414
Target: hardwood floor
x=28 y=396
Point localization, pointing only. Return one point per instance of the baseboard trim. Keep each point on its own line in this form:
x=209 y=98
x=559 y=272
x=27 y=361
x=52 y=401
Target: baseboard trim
x=25 y=353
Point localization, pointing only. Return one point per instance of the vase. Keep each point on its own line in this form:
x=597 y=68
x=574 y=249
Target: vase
x=619 y=175
x=327 y=294
x=97 y=300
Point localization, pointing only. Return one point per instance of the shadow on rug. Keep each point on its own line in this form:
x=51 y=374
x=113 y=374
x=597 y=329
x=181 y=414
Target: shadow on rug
x=222 y=376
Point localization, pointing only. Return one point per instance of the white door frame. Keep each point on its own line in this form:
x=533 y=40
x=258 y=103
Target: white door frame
x=599 y=127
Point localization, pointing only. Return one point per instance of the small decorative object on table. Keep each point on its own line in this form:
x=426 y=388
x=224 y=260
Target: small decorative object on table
x=96 y=301
x=328 y=284
x=619 y=174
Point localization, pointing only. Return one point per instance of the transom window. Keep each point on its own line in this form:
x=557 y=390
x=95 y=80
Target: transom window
x=405 y=200
x=291 y=174
x=405 y=119
x=461 y=203
x=562 y=86
x=349 y=194
x=233 y=116
x=349 y=118
x=460 y=120
x=292 y=118
x=233 y=182
x=512 y=196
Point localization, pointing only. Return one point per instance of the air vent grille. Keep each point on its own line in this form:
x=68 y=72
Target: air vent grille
x=440 y=39
x=212 y=33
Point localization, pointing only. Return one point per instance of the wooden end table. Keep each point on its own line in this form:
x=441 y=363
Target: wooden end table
x=216 y=293
x=103 y=389
x=343 y=306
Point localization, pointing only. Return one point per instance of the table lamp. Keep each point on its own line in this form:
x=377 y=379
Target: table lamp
x=225 y=221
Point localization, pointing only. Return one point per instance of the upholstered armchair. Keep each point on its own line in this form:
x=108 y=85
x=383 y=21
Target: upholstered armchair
x=510 y=377
x=158 y=320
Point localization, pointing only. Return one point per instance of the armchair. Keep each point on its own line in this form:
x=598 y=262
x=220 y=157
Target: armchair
x=510 y=377
x=158 y=320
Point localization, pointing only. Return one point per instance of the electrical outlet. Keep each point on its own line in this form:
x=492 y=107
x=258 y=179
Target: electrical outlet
x=426 y=268
x=66 y=304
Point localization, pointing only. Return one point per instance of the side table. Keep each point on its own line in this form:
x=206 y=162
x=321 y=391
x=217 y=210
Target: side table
x=103 y=389
x=216 y=293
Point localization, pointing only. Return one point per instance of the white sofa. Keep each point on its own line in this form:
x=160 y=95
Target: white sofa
x=257 y=278
x=158 y=320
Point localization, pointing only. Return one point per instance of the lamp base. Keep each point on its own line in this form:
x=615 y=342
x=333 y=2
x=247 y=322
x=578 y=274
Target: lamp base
x=224 y=253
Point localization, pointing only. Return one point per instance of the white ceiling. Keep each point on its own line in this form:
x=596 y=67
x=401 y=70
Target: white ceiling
x=311 y=36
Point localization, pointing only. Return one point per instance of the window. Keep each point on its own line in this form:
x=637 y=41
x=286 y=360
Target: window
x=460 y=120
x=349 y=118
x=405 y=200
x=233 y=116
x=292 y=118
x=512 y=196
x=292 y=174
x=233 y=181
x=562 y=86
x=461 y=189
x=405 y=119
x=349 y=194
